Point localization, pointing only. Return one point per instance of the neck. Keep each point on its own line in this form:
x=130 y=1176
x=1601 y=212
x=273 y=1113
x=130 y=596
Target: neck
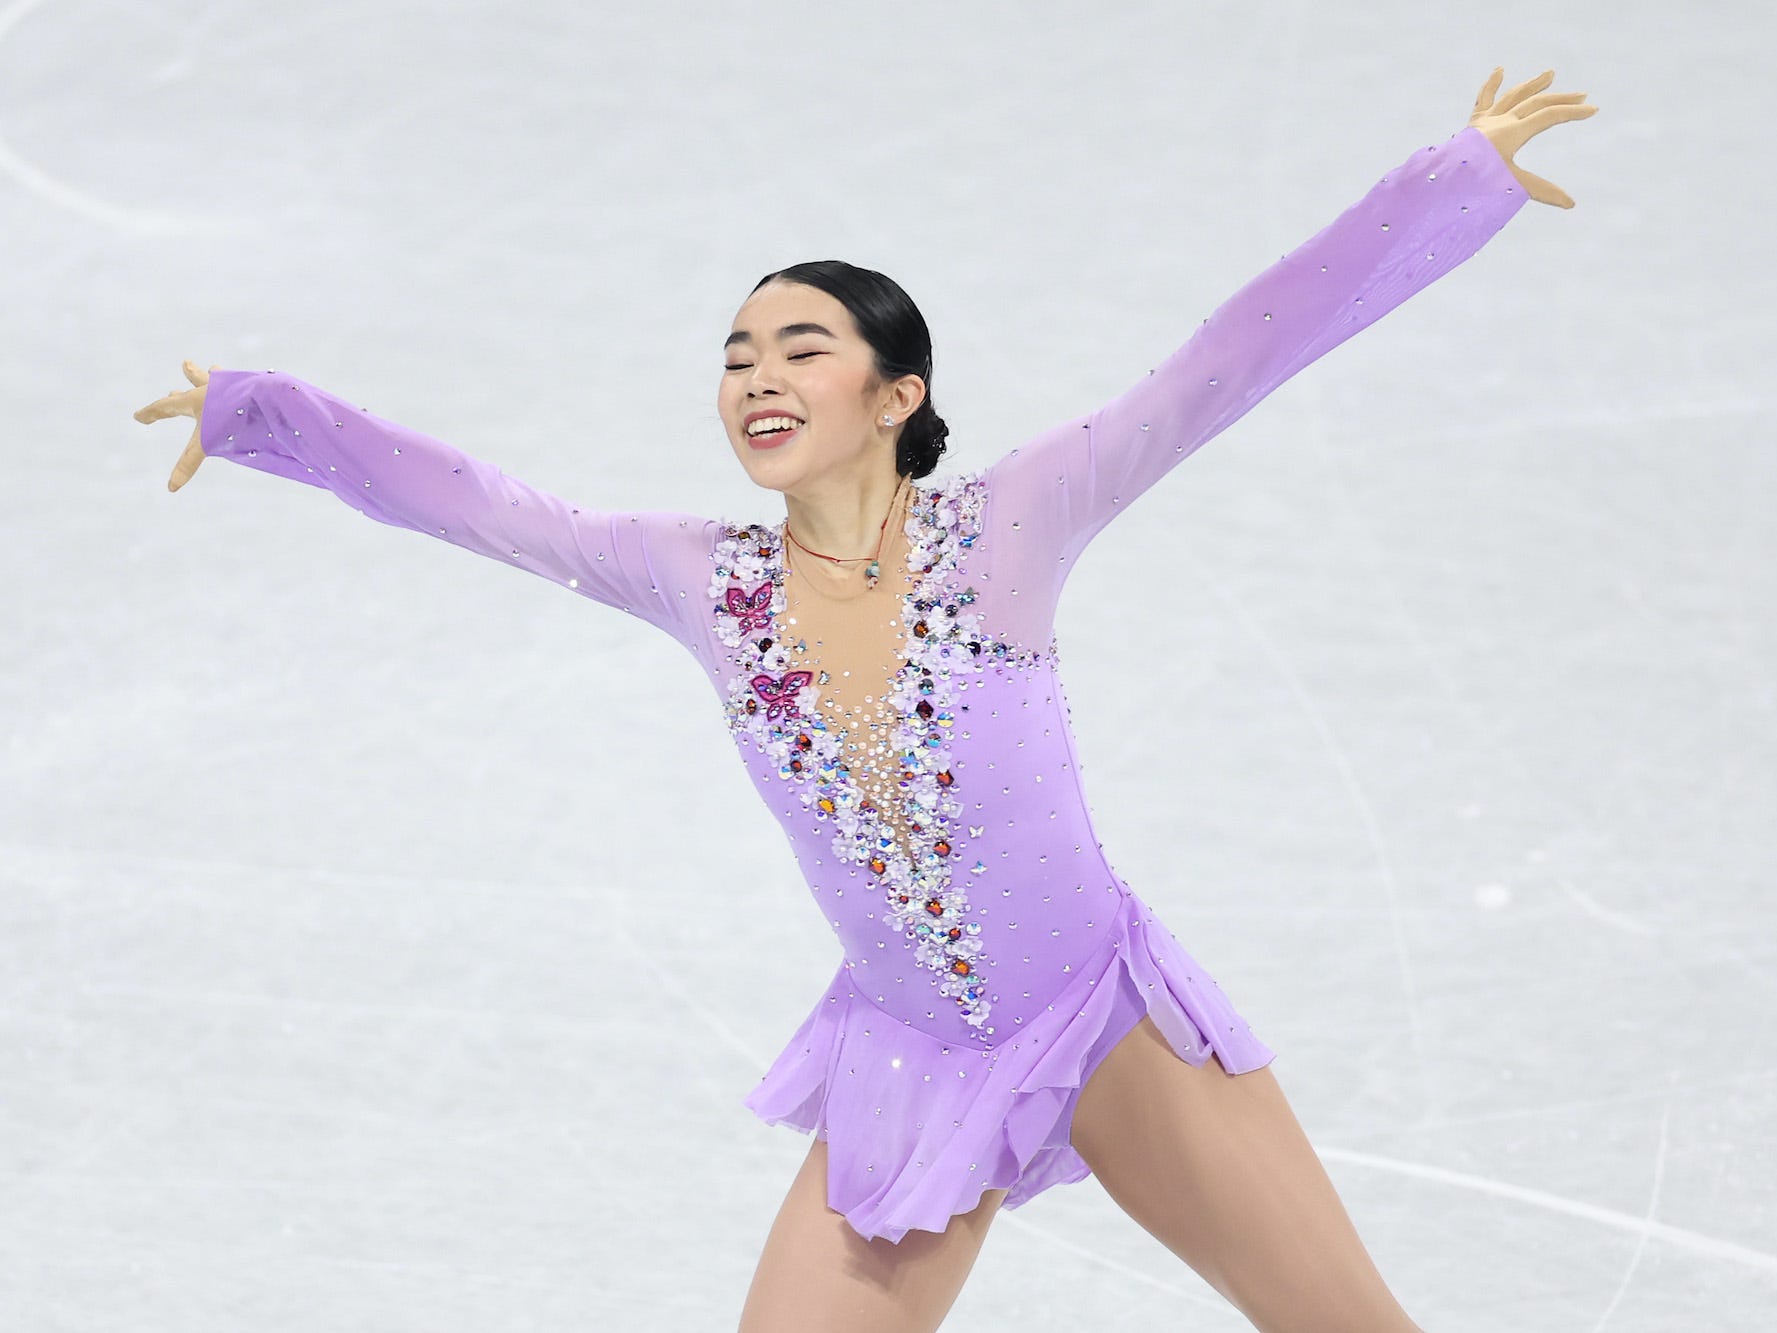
x=847 y=519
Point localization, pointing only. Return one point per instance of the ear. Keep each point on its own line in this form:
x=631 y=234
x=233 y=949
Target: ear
x=903 y=397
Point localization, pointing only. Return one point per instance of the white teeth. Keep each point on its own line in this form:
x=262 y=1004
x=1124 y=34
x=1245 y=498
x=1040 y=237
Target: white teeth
x=764 y=424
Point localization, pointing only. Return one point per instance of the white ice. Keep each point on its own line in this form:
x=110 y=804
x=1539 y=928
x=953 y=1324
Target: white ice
x=388 y=938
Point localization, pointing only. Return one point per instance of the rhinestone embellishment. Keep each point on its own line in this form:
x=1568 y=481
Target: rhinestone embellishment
x=770 y=702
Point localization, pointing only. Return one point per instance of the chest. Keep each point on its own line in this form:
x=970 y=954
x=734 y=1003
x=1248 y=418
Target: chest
x=858 y=706
x=802 y=661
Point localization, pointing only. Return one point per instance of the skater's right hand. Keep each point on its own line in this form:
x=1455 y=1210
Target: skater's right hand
x=1522 y=113
x=183 y=403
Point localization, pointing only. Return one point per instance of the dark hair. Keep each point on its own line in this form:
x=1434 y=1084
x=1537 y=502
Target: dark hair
x=897 y=333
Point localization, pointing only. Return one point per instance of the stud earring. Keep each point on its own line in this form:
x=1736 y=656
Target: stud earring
x=888 y=421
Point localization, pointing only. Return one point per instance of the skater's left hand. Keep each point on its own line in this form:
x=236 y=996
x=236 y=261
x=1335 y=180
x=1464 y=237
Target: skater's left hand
x=183 y=403
x=1512 y=121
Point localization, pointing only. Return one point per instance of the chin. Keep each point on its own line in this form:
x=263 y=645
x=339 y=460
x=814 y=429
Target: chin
x=767 y=477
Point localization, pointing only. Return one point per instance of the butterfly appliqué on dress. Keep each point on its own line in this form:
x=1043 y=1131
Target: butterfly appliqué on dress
x=779 y=693
x=751 y=610
x=769 y=702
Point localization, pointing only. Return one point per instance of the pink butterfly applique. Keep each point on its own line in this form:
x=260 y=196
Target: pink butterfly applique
x=752 y=610
x=780 y=695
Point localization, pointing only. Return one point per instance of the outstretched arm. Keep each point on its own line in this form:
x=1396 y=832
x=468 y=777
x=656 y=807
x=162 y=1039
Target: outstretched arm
x=1417 y=223
x=648 y=563
x=1050 y=496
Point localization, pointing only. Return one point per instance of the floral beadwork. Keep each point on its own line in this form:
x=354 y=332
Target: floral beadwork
x=771 y=701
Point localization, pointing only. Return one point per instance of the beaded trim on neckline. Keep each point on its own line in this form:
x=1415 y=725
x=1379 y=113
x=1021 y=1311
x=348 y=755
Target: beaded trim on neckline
x=927 y=904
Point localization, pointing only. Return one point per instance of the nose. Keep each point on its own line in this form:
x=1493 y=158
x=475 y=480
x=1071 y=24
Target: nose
x=761 y=382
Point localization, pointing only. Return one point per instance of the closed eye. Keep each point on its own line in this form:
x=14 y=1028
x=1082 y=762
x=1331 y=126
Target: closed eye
x=747 y=365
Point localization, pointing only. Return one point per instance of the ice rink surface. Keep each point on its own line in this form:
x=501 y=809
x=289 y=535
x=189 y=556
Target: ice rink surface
x=388 y=938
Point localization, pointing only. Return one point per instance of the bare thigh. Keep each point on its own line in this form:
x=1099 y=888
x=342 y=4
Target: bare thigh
x=1218 y=1169
x=817 y=1274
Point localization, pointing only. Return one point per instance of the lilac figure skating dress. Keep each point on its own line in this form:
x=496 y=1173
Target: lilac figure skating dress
x=914 y=741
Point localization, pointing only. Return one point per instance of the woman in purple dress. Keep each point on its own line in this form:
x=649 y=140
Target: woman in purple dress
x=1007 y=1014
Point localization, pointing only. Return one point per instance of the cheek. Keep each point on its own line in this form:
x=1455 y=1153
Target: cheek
x=844 y=396
x=727 y=396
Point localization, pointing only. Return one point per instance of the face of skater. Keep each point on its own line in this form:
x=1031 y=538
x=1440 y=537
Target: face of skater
x=795 y=352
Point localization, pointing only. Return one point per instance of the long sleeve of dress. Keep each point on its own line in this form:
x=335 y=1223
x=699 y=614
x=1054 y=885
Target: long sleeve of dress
x=649 y=563
x=1051 y=495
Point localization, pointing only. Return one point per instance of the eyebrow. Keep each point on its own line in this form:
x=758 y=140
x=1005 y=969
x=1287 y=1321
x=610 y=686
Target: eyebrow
x=788 y=331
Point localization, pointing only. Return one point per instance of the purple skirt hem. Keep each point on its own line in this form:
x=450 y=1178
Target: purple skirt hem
x=918 y=1128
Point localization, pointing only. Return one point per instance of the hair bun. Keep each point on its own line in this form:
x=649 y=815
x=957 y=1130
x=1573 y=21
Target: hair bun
x=922 y=442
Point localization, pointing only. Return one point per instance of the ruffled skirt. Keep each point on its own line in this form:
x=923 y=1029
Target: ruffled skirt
x=917 y=1128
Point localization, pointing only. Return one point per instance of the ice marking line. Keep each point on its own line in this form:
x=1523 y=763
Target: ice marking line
x=1539 y=1109
x=1681 y=1237
x=1621 y=920
x=1652 y=1204
x=39 y=182
x=1010 y=1218
x=1353 y=788
x=662 y=974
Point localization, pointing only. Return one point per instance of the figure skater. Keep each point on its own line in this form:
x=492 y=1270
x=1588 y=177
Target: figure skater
x=1007 y=1014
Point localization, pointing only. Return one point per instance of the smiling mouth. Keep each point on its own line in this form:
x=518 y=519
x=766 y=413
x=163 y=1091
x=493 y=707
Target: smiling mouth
x=773 y=430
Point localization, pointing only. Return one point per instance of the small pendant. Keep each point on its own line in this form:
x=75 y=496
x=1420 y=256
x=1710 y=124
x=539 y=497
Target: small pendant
x=870 y=572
